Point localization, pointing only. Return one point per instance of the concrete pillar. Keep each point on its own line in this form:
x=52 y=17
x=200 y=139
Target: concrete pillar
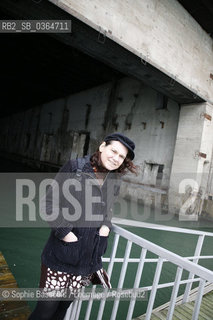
x=191 y=162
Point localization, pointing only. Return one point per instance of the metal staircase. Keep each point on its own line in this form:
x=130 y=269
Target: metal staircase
x=157 y=258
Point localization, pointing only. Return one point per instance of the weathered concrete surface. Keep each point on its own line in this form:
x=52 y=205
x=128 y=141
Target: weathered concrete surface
x=192 y=159
x=160 y=31
x=57 y=130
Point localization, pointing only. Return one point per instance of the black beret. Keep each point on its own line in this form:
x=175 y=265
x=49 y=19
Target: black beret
x=117 y=136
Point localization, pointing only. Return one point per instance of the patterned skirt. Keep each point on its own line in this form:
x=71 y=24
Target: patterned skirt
x=52 y=280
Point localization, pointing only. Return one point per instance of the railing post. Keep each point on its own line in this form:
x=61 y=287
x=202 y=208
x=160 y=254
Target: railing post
x=79 y=304
x=74 y=309
x=109 y=271
x=174 y=293
x=154 y=289
x=191 y=275
x=121 y=279
x=113 y=254
x=137 y=282
x=89 y=306
x=198 y=300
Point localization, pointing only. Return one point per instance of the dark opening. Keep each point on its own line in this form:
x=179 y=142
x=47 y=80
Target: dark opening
x=86 y=144
x=159 y=175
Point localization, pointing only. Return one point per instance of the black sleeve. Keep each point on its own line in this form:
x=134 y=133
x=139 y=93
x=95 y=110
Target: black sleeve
x=51 y=203
x=107 y=219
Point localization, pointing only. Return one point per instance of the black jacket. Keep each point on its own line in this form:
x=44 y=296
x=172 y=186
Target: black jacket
x=82 y=257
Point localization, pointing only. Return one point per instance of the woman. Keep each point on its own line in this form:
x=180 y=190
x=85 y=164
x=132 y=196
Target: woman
x=87 y=189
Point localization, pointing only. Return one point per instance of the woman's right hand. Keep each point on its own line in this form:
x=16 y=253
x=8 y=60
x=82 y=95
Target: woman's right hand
x=70 y=237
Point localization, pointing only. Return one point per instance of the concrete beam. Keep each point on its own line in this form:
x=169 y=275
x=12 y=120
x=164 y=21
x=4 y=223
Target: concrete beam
x=103 y=47
x=160 y=31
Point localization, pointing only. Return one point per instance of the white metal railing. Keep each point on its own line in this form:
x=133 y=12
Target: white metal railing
x=197 y=254
x=197 y=273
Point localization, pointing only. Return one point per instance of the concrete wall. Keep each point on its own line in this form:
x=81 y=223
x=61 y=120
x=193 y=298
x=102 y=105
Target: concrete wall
x=56 y=131
x=191 y=168
x=161 y=31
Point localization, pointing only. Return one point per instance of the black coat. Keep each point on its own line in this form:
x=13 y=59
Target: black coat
x=81 y=257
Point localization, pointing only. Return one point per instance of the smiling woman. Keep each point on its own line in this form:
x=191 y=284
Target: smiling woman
x=122 y=148
x=113 y=154
x=72 y=257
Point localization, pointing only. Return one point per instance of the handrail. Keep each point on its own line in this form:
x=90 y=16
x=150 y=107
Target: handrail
x=132 y=260
x=134 y=223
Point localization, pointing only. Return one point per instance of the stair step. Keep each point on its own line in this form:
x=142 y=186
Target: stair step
x=185 y=311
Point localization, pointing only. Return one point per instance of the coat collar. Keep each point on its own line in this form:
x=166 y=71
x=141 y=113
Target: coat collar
x=89 y=169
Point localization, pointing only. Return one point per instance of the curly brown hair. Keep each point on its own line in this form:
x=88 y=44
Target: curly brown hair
x=126 y=166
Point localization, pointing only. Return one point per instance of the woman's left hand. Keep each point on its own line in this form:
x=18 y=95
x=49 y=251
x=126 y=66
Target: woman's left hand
x=104 y=231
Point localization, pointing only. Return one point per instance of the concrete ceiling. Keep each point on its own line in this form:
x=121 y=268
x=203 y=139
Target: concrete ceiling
x=37 y=68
